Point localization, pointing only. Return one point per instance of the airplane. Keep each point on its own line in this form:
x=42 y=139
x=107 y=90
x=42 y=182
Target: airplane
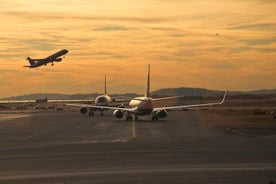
x=141 y=106
x=102 y=100
x=50 y=59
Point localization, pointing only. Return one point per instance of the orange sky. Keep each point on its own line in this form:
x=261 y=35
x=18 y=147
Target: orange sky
x=118 y=38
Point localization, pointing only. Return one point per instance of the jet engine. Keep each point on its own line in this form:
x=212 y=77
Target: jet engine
x=118 y=113
x=161 y=114
x=83 y=110
x=58 y=60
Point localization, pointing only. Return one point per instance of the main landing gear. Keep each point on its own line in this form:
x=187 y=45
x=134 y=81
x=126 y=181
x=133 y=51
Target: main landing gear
x=91 y=113
x=130 y=118
x=154 y=118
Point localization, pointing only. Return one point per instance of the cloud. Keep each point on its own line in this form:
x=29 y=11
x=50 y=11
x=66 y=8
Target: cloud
x=108 y=55
x=258 y=26
x=56 y=16
x=111 y=28
x=31 y=15
x=261 y=41
x=265 y=2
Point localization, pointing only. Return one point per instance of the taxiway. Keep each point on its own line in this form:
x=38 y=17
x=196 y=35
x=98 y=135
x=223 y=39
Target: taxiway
x=186 y=147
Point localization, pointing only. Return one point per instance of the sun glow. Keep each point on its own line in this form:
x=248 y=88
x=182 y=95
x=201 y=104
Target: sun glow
x=216 y=45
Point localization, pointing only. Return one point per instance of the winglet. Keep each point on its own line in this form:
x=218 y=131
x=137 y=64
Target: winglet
x=222 y=101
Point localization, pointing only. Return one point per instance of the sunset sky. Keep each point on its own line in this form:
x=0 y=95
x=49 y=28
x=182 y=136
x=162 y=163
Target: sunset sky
x=211 y=44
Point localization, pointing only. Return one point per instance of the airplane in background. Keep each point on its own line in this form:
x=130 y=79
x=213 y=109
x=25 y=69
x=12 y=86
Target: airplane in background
x=141 y=106
x=50 y=59
x=102 y=100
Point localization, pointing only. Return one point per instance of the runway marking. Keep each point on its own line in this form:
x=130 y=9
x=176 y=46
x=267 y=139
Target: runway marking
x=5 y=117
x=140 y=170
x=237 y=132
x=133 y=127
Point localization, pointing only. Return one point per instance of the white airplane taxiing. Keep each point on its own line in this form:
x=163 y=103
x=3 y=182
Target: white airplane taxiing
x=102 y=100
x=141 y=106
x=50 y=59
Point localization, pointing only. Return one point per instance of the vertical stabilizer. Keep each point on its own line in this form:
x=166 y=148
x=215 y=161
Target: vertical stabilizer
x=105 y=85
x=148 y=84
x=30 y=61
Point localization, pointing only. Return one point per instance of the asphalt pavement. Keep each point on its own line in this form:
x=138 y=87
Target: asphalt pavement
x=186 y=147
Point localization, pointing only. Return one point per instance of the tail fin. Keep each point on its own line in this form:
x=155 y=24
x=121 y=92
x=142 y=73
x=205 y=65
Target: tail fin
x=30 y=61
x=148 y=84
x=105 y=84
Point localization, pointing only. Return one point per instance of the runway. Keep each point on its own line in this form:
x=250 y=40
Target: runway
x=186 y=147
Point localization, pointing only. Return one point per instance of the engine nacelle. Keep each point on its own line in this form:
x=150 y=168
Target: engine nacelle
x=118 y=113
x=83 y=110
x=58 y=60
x=161 y=114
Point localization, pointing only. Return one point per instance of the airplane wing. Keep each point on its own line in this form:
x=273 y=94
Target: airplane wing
x=102 y=107
x=193 y=105
x=167 y=98
x=155 y=109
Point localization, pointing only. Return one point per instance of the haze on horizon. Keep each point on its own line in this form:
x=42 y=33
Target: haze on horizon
x=216 y=45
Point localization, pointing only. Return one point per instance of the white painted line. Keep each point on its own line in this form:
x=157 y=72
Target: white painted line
x=237 y=132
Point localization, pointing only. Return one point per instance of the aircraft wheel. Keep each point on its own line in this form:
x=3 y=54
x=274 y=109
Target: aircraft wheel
x=91 y=113
x=154 y=118
x=128 y=118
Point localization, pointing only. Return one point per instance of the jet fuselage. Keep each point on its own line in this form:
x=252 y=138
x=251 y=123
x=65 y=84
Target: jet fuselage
x=52 y=58
x=143 y=105
x=103 y=100
x=55 y=56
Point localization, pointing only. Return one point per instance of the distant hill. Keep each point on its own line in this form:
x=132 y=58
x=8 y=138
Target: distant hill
x=58 y=96
x=186 y=92
x=206 y=92
x=50 y=96
x=183 y=91
x=263 y=91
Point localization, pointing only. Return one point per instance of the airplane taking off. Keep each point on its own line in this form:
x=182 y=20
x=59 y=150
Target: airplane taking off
x=102 y=100
x=141 y=106
x=50 y=59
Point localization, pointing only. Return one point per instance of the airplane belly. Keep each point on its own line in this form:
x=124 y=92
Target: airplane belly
x=142 y=112
x=144 y=109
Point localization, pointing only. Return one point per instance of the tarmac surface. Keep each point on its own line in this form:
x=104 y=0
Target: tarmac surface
x=186 y=147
